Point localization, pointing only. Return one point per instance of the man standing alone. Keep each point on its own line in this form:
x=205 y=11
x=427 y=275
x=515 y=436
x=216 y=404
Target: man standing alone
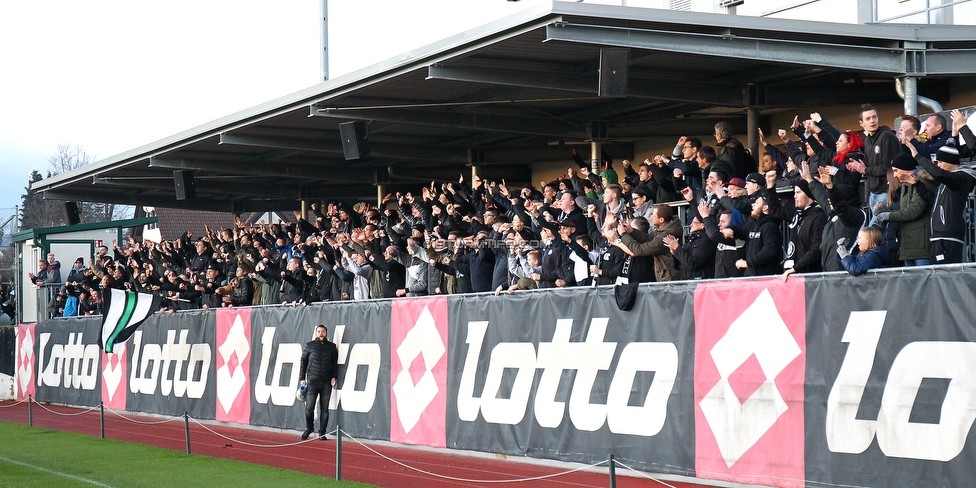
x=318 y=373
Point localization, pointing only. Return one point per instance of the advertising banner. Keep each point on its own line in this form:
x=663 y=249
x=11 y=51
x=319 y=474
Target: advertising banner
x=821 y=380
x=567 y=375
x=361 y=403
x=171 y=365
x=418 y=338
x=749 y=365
x=24 y=364
x=233 y=362
x=891 y=379
x=67 y=358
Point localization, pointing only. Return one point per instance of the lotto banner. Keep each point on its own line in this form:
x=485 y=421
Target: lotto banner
x=24 y=363
x=361 y=402
x=891 y=379
x=566 y=375
x=749 y=364
x=823 y=380
x=171 y=365
x=66 y=361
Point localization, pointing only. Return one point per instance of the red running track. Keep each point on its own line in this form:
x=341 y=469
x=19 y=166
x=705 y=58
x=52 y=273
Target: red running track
x=318 y=457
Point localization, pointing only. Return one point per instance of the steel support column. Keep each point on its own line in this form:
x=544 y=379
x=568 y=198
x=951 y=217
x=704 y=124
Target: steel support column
x=595 y=149
x=910 y=87
x=752 y=121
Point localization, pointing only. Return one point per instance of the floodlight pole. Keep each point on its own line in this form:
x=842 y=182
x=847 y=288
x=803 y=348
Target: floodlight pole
x=325 y=40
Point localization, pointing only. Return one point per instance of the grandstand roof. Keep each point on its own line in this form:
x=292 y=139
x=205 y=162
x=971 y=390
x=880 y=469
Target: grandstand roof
x=510 y=93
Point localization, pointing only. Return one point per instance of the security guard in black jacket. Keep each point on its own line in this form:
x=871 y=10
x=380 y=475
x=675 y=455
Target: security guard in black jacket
x=318 y=373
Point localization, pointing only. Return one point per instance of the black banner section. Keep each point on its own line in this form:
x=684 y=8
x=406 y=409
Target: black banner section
x=68 y=361
x=171 y=365
x=891 y=379
x=7 y=347
x=361 y=332
x=566 y=375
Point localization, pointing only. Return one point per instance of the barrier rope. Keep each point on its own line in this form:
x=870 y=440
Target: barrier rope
x=250 y=444
x=467 y=480
x=357 y=441
x=13 y=404
x=89 y=409
x=143 y=422
x=645 y=475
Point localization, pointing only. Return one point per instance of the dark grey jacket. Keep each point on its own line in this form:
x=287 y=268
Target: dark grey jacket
x=319 y=360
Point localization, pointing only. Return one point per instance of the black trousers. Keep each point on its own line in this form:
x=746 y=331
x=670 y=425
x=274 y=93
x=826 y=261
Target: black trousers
x=949 y=252
x=321 y=391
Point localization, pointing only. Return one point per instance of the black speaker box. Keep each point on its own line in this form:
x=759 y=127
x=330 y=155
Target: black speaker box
x=353 y=135
x=71 y=213
x=185 y=186
x=614 y=69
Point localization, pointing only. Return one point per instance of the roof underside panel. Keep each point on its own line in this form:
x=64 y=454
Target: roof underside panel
x=516 y=93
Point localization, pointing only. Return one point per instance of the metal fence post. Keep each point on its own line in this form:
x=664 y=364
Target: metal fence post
x=338 y=452
x=186 y=424
x=613 y=473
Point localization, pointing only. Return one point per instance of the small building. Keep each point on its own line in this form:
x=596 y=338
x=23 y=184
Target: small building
x=68 y=243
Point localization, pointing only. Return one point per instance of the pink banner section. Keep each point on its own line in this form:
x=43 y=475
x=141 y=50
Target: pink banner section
x=24 y=365
x=418 y=371
x=233 y=361
x=750 y=357
x=115 y=377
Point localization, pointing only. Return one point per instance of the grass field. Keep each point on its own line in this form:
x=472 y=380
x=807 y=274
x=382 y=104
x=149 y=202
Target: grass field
x=30 y=456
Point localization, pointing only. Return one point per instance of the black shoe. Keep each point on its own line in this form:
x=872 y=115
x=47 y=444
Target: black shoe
x=323 y=437
x=305 y=434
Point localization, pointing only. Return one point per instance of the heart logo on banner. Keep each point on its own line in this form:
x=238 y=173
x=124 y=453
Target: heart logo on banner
x=24 y=373
x=412 y=399
x=112 y=373
x=230 y=376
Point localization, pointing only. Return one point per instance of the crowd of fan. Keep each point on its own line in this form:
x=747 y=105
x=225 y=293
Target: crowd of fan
x=585 y=227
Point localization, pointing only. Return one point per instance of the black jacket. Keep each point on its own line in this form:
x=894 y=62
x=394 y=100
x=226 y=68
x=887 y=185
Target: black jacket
x=727 y=250
x=764 y=245
x=696 y=258
x=879 y=149
x=948 y=221
x=805 y=233
x=319 y=360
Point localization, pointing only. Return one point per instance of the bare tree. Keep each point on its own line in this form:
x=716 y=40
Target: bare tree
x=38 y=212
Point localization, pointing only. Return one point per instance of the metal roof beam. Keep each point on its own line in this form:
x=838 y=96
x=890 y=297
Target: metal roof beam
x=575 y=82
x=466 y=121
x=376 y=150
x=726 y=95
x=214 y=205
x=949 y=61
x=203 y=186
x=257 y=169
x=829 y=55
x=326 y=146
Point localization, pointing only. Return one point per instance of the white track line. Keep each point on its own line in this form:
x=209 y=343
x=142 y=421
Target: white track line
x=66 y=475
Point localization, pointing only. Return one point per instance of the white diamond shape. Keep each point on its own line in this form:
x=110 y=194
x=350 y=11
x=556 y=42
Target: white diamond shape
x=423 y=339
x=760 y=330
x=230 y=383
x=113 y=376
x=26 y=359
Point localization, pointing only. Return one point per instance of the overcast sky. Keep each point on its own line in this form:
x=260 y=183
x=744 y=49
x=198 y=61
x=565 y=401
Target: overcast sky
x=111 y=76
